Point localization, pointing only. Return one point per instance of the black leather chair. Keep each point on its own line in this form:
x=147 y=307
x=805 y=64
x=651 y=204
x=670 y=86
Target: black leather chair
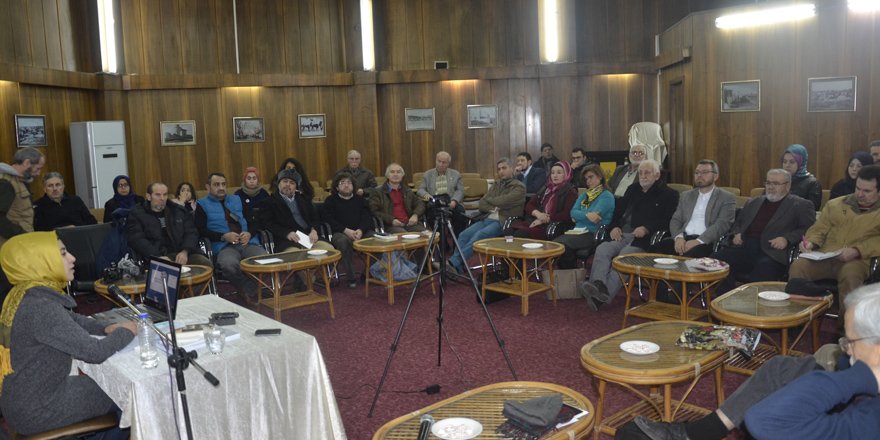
x=85 y=242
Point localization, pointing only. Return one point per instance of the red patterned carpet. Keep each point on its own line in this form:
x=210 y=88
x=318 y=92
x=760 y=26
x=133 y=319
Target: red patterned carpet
x=543 y=346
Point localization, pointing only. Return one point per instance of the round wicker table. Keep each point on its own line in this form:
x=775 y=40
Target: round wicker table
x=383 y=251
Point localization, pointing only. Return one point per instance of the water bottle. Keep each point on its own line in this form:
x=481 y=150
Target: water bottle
x=148 y=354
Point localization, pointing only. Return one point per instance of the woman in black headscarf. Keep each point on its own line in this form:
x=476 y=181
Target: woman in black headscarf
x=847 y=185
x=123 y=197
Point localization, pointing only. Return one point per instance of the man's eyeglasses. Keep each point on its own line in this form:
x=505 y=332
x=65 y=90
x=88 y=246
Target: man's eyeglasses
x=637 y=153
x=769 y=183
x=846 y=343
x=701 y=173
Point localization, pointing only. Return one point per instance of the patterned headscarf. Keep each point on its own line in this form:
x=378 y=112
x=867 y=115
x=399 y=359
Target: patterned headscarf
x=551 y=190
x=29 y=260
x=800 y=155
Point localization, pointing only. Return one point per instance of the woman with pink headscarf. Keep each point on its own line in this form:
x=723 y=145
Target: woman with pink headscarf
x=551 y=203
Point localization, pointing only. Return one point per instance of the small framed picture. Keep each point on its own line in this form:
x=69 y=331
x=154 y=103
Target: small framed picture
x=419 y=118
x=177 y=133
x=30 y=131
x=741 y=96
x=312 y=126
x=247 y=129
x=837 y=94
x=482 y=116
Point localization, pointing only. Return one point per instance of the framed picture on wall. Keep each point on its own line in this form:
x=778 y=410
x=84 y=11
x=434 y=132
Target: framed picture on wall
x=741 y=96
x=177 y=133
x=312 y=126
x=837 y=94
x=482 y=116
x=419 y=118
x=247 y=129
x=30 y=131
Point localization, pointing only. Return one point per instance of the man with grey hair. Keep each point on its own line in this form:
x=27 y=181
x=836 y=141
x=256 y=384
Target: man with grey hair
x=57 y=209
x=704 y=214
x=442 y=180
x=643 y=210
x=833 y=394
x=361 y=177
x=625 y=175
x=764 y=230
x=395 y=204
x=505 y=199
x=16 y=206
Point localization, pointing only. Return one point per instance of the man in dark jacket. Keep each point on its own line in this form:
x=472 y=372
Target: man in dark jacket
x=57 y=209
x=157 y=228
x=399 y=208
x=290 y=217
x=646 y=207
x=349 y=218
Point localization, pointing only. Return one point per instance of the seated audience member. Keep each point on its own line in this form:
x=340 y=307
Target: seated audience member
x=593 y=209
x=185 y=196
x=803 y=184
x=444 y=180
x=703 y=215
x=801 y=397
x=123 y=198
x=626 y=174
x=847 y=185
x=532 y=177
x=58 y=209
x=287 y=212
x=395 y=204
x=253 y=196
x=504 y=199
x=578 y=162
x=363 y=178
x=552 y=203
x=874 y=147
x=349 y=217
x=292 y=164
x=220 y=218
x=851 y=225
x=157 y=228
x=764 y=230
x=42 y=336
x=643 y=210
x=547 y=159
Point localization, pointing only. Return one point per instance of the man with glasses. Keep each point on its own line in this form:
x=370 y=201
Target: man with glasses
x=764 y=230
x=704 y=214
x=625 y=175
x=578 y=162
x=824 y=396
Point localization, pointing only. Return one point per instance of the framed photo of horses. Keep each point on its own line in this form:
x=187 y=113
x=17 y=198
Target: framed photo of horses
x=312 y=126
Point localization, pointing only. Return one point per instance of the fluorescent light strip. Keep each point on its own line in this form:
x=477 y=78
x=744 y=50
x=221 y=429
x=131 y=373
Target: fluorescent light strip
x=367 y=47
x=766 y=16
x=107 y=29
x=551 y=30
x=864 y=5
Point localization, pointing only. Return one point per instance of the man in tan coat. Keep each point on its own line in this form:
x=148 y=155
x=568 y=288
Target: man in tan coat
x=850 y=225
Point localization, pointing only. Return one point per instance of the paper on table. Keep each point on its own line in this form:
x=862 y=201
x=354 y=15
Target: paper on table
x=819 y=256
x=268 y=260
x=304 y=240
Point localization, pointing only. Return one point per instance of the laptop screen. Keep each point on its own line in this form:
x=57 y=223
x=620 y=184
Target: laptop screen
x=154 y=295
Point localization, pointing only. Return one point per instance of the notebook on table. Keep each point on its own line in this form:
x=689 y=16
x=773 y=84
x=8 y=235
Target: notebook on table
x=159 y=272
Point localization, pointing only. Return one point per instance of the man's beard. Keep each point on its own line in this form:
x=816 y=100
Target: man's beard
x=775 y=198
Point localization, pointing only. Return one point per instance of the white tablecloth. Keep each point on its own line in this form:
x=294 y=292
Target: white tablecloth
x=271 y=387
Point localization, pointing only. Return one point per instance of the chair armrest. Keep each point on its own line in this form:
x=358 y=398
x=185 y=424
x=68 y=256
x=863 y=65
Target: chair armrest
x=601 y=234
x=205 y=246
x=874 y=274
x=723 y=241
x=555 y=229
x=378 y=225
x=324 y=230
x=658 y=236
x=509 y=221
x=268 y=240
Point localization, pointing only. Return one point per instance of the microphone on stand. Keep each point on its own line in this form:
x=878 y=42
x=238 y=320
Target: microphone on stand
x=118 y=293
x=425 y=426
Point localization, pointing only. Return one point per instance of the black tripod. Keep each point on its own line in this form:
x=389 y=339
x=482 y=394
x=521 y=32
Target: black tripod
x=443 y=225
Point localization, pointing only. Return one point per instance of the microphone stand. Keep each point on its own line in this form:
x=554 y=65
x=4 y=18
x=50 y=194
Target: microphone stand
x=178 y=357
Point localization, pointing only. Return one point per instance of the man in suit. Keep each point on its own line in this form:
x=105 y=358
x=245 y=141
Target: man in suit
x=704 y=214
x=626 y=174
x=644 y=209
x=444 y=180
x=764 y=230
x=290 y=217
x=533 y=177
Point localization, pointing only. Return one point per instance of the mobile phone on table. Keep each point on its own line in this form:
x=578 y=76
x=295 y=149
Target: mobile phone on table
x=267 y=332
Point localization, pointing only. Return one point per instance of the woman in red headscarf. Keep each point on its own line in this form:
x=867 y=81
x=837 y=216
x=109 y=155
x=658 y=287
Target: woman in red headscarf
x=551 y=203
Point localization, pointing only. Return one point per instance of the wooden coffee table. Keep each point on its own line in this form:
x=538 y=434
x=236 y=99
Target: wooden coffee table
x=742 y=306
x=604 y=359
x=517 y=258
x=485 y=404
x=632 y=266
x=375 y=249
x=135 y=287
x=267 y=270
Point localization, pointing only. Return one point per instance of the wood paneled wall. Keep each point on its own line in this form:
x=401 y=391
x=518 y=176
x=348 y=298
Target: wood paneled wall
x=834 y=43
x=52 y=34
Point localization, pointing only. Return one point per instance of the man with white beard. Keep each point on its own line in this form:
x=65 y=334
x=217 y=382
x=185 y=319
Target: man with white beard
x=764 y=230
x=626 y=174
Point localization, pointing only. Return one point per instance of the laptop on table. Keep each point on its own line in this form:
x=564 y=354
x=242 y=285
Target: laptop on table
x=160 y=271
